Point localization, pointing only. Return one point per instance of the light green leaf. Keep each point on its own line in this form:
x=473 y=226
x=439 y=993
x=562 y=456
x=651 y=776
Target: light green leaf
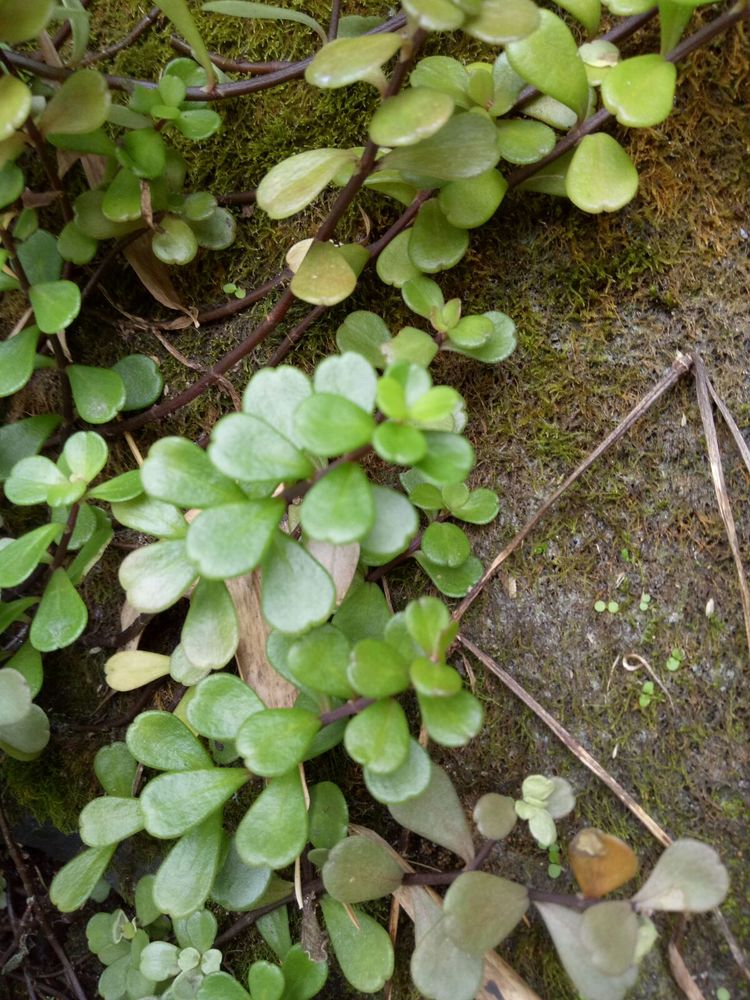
x=275 y=740
x=152 y=517
x=238 y=887
x=609 y=933
x=396 y=523
x=411 y=116
x=273 y=394
x=274 y=830
x=481 y=910
x=61 y=616
x=231 y=539
x=186 y=875
x=435 y=680
x=56 y=304
x=501 y=21
x=28 y=663
x=377 y=670
x=411 y=344
x=453 y=582
x=31 y=480
x=21 y=20
x=79 y=106
x=639 y=92
x=210 y=633
x=98 y=393
x=116 y=768
x=522 y=141
x=500 y=344
x=174 y=803
x=144 y=151
x=494 y=815
x=75 y=882
x=133 y=668
x=435 y=15
x=324 y=277
x=442 y=971
x=437 y=157
x=452 y=722
x=15 y=101
x=449 y=458
x=220 y=705
x=247 y=448
x=435 y=244
x=379 y=737
x=588 y=12
x=180 y=472
x=472 y=202
x=297 y=591
x=406 y=782
x=363 y=951
x=548 y=59
x=16 y=696
x=329 y=815
x=122 y=199
x=108 y=820
x=157 y=575
x=174 y=241
x=159 y=740
x=318 y=661
x=179 y=14
x=20 y=557
x=395 y=267
x=444 y=74
x=688 y=877
x=348 y=375
x=340 y=507
x=328 y=424
x=364 y=332
x=263 y=11
x=292 y=184
x=347 y=60
x=601 y=176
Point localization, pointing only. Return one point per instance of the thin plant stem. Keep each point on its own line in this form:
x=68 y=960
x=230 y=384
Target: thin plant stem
x=138 y=29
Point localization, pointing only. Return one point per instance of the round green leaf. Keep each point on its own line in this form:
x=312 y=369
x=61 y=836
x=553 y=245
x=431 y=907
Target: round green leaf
x=15 y=104
x=231 y=539
x=20 y=557
x=16 y=696
x=435 y=15
x=319 y=661
x=297 y=591
x=494 y=815
x=522 y=141
x=499 y=345
x=443 y=971
x=399 y=443
x=639 y=92
x=379 y=737
x=22 y=20
x=364 y=332
x=601 y=176
x=436 y=156
x=210 y=633
x=157 y=575
x=217 y=231
x=275 y=740
x=56 y=304
x=152 y=517
x=181 y=472
x=411 y=116
x=238 y=887
x=454 y=721
x=324 y=277
x=220 y=705
x=358 y=869
x=348 y=375
x=12 y=183
x=98 y=393
x=122 y=199
x=186 y=875
x=17 y=360
x=396 y=523
x=80 y=105
x=274 y=830
x=395 y=267
x=142 y=379
x=481 y=910
x=175 y=242
x=339 y=508
x=435 y=680
x=446 y=545
x=61 y=616
x=273 y=394
x=406 y=782
x=75 y=246
x=472 y=202
x=328 y=424
x=449 y=458
x=116 y=768
x=435 y=244
x=75 y=882
x=347 y=60
x=548 y=59
x=329 y=815
x=292 y=184
x=108 y=820
x=143 y=151
x=501 y=21
x=437 y=814
x=376 y=670
x=175 y=803
x=159 y=740
x=246 y=447
x=609 y=933
x=363 y=951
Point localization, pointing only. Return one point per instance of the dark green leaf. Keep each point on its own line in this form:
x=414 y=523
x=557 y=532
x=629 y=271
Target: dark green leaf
x=379 y=737
x=80 y=105
x=61 y=616
x=364 y=951
x=329 y=815
x=175 y=803
x=142 y=379
x=339 y=508
x=56 y=304
x=358 y=869
x=435 y=244
x=274 y=830
x=406 y=782
x=436 y=156
x=238 y=887
x=275 y=740
x=319 y=661
x=481 y=910
x=437 y=814
x=180 y=472
x=186 y=875
x=116 y=768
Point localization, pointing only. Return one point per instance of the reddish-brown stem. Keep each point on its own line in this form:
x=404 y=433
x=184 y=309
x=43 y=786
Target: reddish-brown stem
x=345 y=710
x=62 y=547
x=138 y=29
x=232 y=65
x=333 y=24
x=212 y=314
x=237 y=198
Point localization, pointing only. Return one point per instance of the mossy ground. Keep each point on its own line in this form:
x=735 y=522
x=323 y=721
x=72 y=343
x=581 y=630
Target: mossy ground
x=601 y=305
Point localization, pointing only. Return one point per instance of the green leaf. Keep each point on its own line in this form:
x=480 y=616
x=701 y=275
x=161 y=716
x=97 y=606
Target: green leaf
x=124 y=487
x=122 y=199
x=501 y=21
x=588 y=12
x=453 y=582
x=436 y=156
x=444 y=74
x=13 y=611
x=275 y=740
x=218 y=231
x=396 y=523
x=358 y=869
x=405 y=782
x=23 y=439
x=238 y=887
x=339 y=508
x=364 y=332
x=12 y=183
x=318 y=661
x=40 y=258
x=437 y=814
x=428 y=623
x=92 y=221
x=84 y=456
x=174 y=803
x=16 y=696
x=248 y=448
x=601 y=176
x=303 y=978
x=220 y=705
x=609 y=933
x=522 y=141
x=263 y=11
x=324 y=277
x=21 y=20
x=379 y=737
x=144 y=152
x=152 y=517
x=639 y=92
x=688 y=877
x=297 y=592
x=273 y=394
x=75 y=882
x=210 y=633
x=31 y=479
x=329 y=815
x=157 y=575
x=159 y=740
x=98 y=393
x=180 y=472
x=410 y=117
x=500 y=344
x=472 y=202
x=80 y=105
x=376 y=670
x=395 y=267
x=221 y=986
x=347 y=60
x=20 y=557
x=61 y=616
x=56 y=304
x=399 y=443
x=364 y=952
x=142 y=380
x=435 y=15
x=231 y=539
x=108 y=820
x=480 y=507
x=348 y=375
x=481 y=910
x=174 y=242
x=186 y=875
x=442 y=971
x=292 y=184
x=548 y=59
x=116 y=769
x=363 y=614
x=179 y=14
x=435 y=244
x=274 y=830
x=454 y=721
x=494 y=815
x=435 y=680
x=449 y=458
x=28 y=663
x=27 y=737
x=328 y=424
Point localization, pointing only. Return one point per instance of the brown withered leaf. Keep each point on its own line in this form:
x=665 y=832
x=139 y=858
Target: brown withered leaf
x=255 y=670
x=600 y=862
x=339 y=560
x=154 y=275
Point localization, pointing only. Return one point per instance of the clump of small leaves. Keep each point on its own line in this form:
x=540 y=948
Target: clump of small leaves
x=645 y=602
x=610 y=606
x=675 y=659
x=543 y=800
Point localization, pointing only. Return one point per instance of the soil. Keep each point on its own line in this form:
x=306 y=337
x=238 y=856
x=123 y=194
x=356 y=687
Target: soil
x=602 y=305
